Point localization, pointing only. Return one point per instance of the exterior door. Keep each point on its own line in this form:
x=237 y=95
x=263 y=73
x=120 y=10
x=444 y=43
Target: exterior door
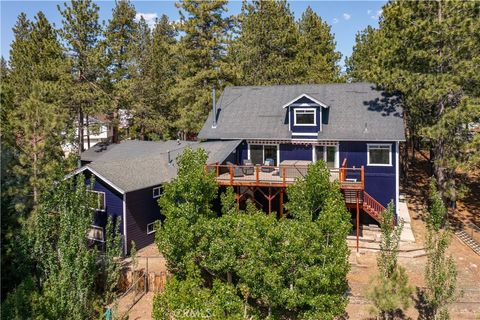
x=327 y=154
x=270 y=152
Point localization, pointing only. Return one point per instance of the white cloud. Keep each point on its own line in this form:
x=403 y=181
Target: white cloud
x=369 y=12
x=347 y=16
x=376 y=15
x=149 y=18
x=335 y=20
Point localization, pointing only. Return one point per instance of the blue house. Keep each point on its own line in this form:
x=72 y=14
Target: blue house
x=259 y=140
x=127 y=179
x=354 y=127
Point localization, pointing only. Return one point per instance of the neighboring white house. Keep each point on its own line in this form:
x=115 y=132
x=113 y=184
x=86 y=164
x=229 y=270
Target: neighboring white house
x=99 y=130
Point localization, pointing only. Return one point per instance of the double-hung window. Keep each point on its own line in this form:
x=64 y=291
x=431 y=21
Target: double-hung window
x=304 y=117
x=379 y=155
x=98 y=200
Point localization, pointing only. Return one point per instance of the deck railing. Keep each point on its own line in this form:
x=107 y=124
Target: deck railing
x=282 y=175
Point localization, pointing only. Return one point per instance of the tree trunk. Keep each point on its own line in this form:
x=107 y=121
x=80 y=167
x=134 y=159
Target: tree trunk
x=80 y=131
x=115 y=123
x=88 y=132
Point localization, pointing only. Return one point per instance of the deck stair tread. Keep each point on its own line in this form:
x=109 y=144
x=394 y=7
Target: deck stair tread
x=468 y=240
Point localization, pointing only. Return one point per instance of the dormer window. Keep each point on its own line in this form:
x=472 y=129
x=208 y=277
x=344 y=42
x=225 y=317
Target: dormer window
x=305 y=117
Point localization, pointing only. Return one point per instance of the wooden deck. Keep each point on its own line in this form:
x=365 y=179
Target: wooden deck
x=282 y=176
x=252 y=178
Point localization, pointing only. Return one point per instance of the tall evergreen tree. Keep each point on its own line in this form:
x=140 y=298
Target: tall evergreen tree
x=120 y=39
x=33 y=119
x=316 y=58
x=81 y=32
x=153 y=81
x=364 y=59
x=265 y=49
x=427 y=51
x=199 y=52
x=38 y=79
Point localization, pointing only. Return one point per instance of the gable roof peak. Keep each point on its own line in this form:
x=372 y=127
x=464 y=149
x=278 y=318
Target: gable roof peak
x=304 y=95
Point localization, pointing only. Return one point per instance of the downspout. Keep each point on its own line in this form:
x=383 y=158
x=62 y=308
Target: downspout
x=124 y=218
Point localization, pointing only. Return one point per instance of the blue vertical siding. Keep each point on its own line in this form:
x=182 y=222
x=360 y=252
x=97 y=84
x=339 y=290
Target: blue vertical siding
x=380 y=181
x=295 y=152
x=142 y=209
x=113 y=203
x=242 y=152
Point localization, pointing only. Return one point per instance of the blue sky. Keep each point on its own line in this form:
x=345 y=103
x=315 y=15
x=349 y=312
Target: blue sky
x=345 y=17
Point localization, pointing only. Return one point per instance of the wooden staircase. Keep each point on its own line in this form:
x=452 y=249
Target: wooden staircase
x=366 y=202
x=352 y=183
x=372 y=207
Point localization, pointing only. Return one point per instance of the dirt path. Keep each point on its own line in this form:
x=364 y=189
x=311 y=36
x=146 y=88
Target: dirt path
x=468 y=263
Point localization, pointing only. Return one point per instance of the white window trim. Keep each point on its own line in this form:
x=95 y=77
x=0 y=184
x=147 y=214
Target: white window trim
x=304 y=124
x=96 y=227
x=263 y=151
x=153 y=229
x=372 y=145
x=104 y=200
x=153 y=192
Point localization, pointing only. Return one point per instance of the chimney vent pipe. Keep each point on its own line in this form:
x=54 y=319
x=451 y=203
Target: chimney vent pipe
x=214 y=121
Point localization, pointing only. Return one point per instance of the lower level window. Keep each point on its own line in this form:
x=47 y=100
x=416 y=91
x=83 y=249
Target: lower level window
x=95 y=233
x=379 y=155
x=152 y=227
x=260 y=153
x=98 y=201
x=327 y=154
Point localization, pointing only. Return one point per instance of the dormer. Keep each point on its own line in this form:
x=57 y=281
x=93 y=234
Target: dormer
x=305 y=117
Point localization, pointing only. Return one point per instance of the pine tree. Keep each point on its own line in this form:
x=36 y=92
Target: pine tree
x=427 y=51
x=81 y=32
x=162 y=73
x=364 y=59
x=264 y=51
x=199 y=52
x=153 y=81
x=120 y=39
x=316 y=56
x=37 y=119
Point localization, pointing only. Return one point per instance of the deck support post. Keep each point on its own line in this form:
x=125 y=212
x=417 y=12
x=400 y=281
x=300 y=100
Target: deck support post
x=269 y=200
x=358 y=218
x=281 y=202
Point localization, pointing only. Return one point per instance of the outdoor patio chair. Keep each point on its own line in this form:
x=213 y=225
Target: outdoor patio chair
x=269 y=163
x=248 y=168
x=237 y=171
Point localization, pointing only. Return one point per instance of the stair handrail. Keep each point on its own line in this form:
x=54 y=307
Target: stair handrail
x=374 y=204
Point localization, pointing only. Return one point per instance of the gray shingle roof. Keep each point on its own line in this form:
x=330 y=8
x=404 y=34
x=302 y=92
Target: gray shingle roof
x=133 y=165
x=357 y=111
